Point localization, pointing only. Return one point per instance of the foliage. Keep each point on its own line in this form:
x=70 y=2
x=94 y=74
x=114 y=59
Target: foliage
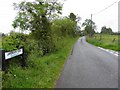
x=44 y=40
x=13 y=41
x=17 y=40
x=42 y=72
x=105 y=41
x=32 y=46
x=72 y=16
x=0 y=42
x=35 y=16
x=60 y=30
x=89 y=27
x=46 y=46
x=83 y=33
x=2 y=34
x=64 y=27
x=105 y=30
x=116 y=33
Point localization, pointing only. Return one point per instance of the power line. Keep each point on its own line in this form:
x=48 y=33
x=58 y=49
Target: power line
x=105 y=8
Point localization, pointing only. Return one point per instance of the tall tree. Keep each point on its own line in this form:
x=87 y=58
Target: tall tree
x=76 y=19
x=72 y=16
x=35 y=17
x=64 y=27
x=89 y=26
x=105 y=30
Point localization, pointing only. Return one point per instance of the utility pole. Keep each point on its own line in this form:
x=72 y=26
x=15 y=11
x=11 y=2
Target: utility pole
x=91 y=21
x=91 y=24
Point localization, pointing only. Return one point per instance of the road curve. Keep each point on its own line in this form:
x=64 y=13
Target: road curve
x=89 y=67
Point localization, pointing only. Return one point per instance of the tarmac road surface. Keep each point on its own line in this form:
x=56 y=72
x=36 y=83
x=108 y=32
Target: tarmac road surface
x=89 y=67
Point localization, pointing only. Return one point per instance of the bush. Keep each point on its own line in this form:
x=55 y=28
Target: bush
x=13 y=41
x=41 y=42
x=64 y=27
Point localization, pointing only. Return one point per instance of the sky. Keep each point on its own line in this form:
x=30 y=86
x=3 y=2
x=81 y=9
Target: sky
x=82 y=8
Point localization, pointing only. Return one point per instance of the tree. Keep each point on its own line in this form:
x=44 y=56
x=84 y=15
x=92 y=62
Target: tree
x=2 y=34
x=35 y=17
x=105 y=30
x=64 y=27
x=76 y=19
x=72 y=16
x=89 y=27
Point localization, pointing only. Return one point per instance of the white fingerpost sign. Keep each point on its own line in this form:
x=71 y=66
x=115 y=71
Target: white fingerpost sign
x=12 y=54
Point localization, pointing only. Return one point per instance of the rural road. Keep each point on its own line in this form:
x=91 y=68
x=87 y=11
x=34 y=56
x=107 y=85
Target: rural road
x=89 y=67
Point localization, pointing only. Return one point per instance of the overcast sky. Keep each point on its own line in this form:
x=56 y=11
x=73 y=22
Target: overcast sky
x=82 y=8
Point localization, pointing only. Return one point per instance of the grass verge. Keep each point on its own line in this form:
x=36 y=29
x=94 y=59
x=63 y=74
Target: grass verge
x=106 y=41
x=41 y=72
x=0 y=42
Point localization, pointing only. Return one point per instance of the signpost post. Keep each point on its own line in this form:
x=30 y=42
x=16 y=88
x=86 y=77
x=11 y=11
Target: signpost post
x=3 y=60
x=23 y=64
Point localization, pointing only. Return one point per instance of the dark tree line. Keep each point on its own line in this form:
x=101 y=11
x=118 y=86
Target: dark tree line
x=105 y=30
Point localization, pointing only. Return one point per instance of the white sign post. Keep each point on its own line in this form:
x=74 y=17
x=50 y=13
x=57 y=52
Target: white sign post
x=12 y=54
x=6 y=56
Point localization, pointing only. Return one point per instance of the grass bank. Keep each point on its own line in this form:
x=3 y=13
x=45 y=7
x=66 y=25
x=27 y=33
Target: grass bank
x=0 y=42
x=106 y=41
x=41 y=72
x=0 y=64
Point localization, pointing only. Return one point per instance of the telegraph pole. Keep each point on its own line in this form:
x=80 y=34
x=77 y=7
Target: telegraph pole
x=91 y=24
x=91 y=21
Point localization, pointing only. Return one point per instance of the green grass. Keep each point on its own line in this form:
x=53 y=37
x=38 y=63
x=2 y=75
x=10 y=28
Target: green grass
x=106 y=41
x=0 y=71
x=41 y=72
x=0 y=42
x=0 y=80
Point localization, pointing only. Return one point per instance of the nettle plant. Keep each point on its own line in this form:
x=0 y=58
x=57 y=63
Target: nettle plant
x=13 y=41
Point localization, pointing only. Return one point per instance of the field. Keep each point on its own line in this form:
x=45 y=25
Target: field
x=0 y=42
x=42 y=72
x=106 y=41
x=0 y=71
